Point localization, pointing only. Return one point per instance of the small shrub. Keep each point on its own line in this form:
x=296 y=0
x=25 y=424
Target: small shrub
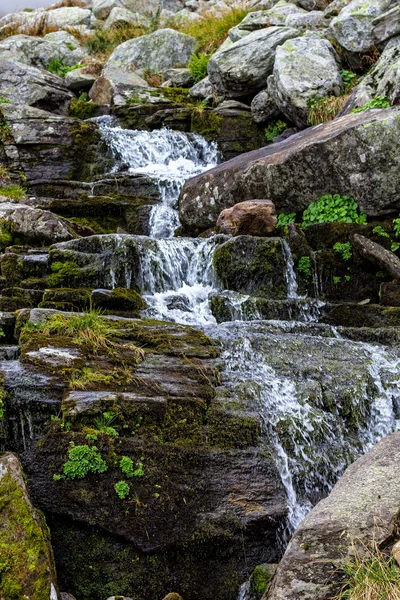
x=378 y=102
x=274 y=129
x=350 y=79
x=304 y=266
x=83 y=460
x=378 y=230
x=344 y=250
x=336 y=208
x=284 y=219
x=198 y=66
x=122 y=488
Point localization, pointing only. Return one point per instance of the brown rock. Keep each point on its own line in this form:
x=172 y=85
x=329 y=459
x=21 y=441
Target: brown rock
x=253 y=217
x=101 y=91
x=396 y=552
x=390 y=293
x=377 y=254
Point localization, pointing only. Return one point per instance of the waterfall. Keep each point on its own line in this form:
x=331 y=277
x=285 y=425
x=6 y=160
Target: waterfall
x=290 y=275
x=312 y=443
x=171 y=157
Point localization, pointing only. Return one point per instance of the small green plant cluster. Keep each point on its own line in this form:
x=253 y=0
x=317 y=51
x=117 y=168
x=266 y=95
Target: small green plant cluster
x=336 y=208
x=344 y=250
x=378 y=230
x=378 y=102
x=275 y=128
x=4 y=100
x=284 y=219
x=103 y=424
x=122 y=489
x=324 y=109
x=198 y=65
x=57 y=67
x=350 y=79
x=304 y=267
x=13 y=191
x=82 y=460
x=396 y=227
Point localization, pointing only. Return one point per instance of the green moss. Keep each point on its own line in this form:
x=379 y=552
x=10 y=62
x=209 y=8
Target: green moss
x=79 y=109
x=260 y=579
x=207 y=123
x=11 y=268
x=77 y=299
x=24 y=546
x=175 y=95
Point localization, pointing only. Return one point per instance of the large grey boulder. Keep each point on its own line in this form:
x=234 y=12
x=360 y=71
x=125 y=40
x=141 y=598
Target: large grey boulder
x=22 y=84
x=35 y=225
x=115 y=86
x=387 y=25
x=361 y=511
x=123 y=16
x=68 y=16
x=38 y=52
x=305 y=68
x=202 y=90
x=342 y=156
x=382 y=80
x=353 y=28
x=156 y=52
x=78 y=80
x=244 y=66
x=25 y=539
x=278 y=14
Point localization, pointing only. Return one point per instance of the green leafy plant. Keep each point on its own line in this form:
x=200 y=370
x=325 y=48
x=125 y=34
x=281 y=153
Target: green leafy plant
x=4 y=100
x=336 y=280
x=395 y=246
x=103 y=424
x=273 y=129
x=304 y=266
x=350 y=79
x=122 y=488
x=396 y=227
x=126 y=466
x=378 y=230
x=378 y=102
x=336 y=208
x=284 y=219
x=344 y=250
x=198 y=65
x=83 y=460
x=57 y=67
x=347 y=277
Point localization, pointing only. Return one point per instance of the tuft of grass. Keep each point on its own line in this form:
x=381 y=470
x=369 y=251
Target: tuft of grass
x=4 y=174
x=198 y=66
x=13 y=191
x=57 y=67
x=103 y=41
x=212 y=30
x=374 y=576
x=325 y=109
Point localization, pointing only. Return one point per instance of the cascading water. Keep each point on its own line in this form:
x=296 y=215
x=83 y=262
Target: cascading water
x=311 y=440
x=171 y=157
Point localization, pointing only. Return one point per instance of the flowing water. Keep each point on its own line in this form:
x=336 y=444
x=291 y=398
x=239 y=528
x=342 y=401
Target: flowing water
x=298 y=381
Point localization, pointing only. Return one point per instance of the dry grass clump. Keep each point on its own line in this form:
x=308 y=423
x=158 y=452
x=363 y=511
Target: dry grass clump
x=373 y=576
x=39 y=27
x=67 y=4
x=326 y=109
x=213 y=30
x=103 y=41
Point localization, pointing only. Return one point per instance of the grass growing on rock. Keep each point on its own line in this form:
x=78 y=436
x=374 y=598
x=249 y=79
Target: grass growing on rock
x=325 y=109
x=213 y=30
x=103 y=41
x=13 y=191
x=371 y=577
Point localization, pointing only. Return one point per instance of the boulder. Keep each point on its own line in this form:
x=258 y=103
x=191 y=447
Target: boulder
x=309 y=20
x=25 y=85
x=123 y=16
x=33 y=225
x=27 y=561
x=243 y=68
x=377 y=254
x=156 y=52
x=304 y=69
x=115 y=86
x=253 y=217
x=102 y=8
x=354 y=25
x=63 y=37
x=39 y=52
x=202 y=90
x=387 y=25
x=360 y=513
x=343 y=156
x=317 y=4
x=389 y=293
x=181 y=78
x=263 y=107
x=68 y=16
x=78 y=80
x=278 y=14
x=382 y=80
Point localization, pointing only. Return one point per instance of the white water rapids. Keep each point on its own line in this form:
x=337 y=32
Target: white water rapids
x=177 y=283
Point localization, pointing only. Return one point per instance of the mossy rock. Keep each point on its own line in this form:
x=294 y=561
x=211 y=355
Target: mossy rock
x=74 y=299
x=11 y=268
x=252 y=266
x=26 y=560
x=261 y=579
x=119 y=300
x=82 y=110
